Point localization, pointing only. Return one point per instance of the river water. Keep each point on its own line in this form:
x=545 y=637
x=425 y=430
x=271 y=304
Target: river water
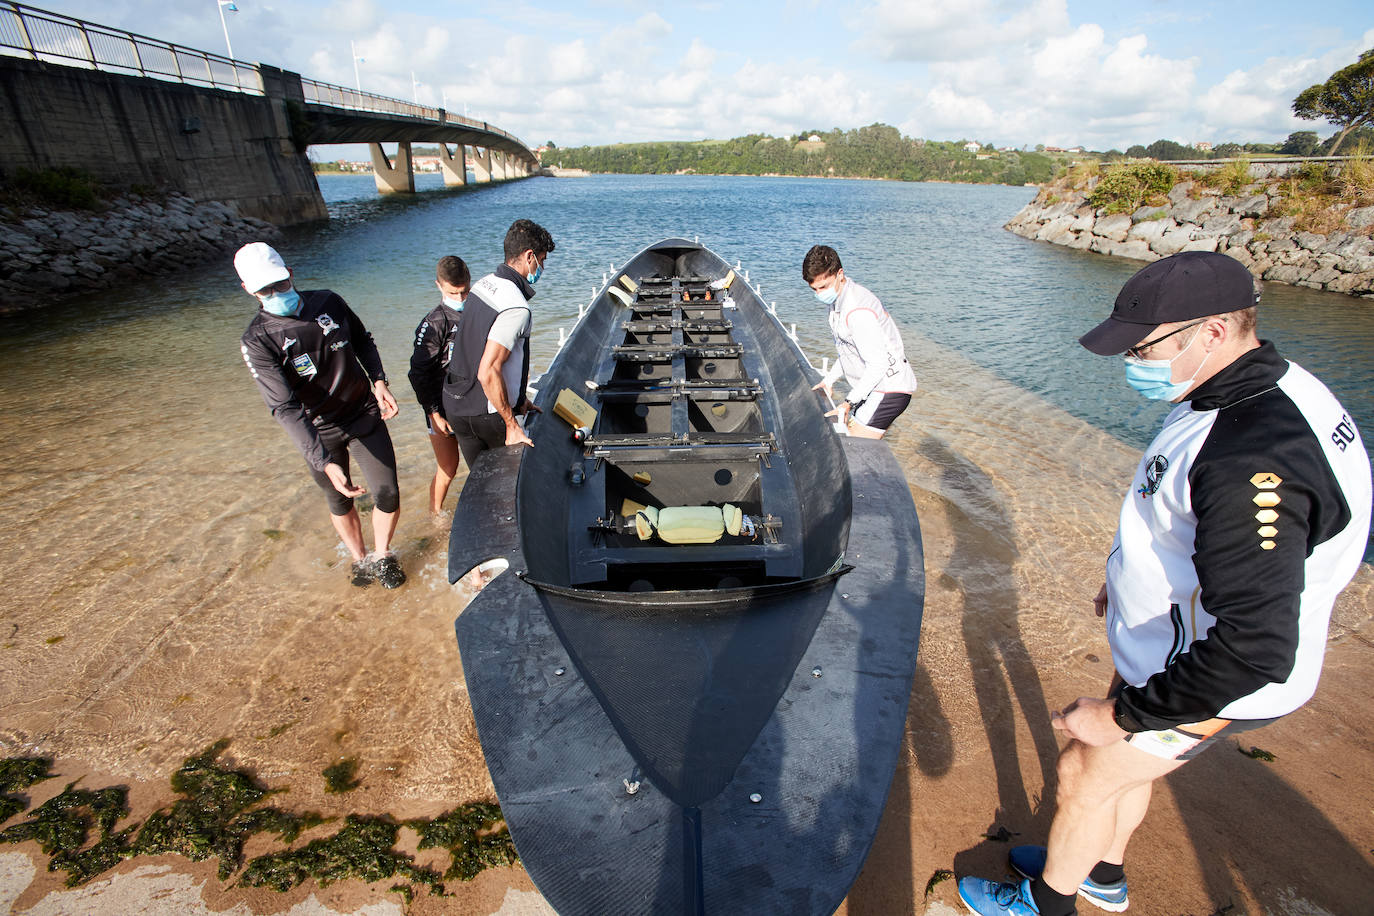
x=170 y=574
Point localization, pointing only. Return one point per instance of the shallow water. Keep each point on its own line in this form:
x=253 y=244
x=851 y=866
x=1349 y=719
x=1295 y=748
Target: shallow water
x=171 y=575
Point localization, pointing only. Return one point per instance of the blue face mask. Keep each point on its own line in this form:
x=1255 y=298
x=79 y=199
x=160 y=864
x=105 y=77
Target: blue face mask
x=283 y=304
x=828 y=296
x=534 y=277
x=1152 y=378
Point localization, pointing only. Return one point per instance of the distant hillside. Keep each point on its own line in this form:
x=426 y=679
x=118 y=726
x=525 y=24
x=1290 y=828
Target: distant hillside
x=876 y=151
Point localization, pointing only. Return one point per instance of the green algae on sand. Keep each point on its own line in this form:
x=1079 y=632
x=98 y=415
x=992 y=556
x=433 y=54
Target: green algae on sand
x=219 y=810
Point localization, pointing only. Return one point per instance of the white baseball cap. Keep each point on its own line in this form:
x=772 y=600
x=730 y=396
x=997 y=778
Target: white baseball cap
x=260 y=266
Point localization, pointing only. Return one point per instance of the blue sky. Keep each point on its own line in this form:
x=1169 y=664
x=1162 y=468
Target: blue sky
x=1058 y=72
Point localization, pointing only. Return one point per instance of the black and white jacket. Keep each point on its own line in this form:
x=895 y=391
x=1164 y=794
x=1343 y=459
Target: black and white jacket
x=1248 y=514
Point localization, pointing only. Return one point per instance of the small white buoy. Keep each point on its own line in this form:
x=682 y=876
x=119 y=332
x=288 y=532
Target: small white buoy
x=755 y=798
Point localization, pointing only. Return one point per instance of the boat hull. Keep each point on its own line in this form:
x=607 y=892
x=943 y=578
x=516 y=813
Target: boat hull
x=723 y=751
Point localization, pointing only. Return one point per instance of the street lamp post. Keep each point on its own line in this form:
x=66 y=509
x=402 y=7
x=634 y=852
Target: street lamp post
x=225 y=25
x=357 y=80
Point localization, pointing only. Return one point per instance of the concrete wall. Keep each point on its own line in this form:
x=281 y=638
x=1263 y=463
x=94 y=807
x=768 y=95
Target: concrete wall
x=210 y=145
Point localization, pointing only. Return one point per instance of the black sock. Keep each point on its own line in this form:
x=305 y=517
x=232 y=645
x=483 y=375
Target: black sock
x=1107 y=873
x=1050 y=902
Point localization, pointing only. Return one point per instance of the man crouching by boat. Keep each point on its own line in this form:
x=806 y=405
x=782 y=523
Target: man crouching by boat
x=484 y=390
x=871 y=355
x=321 y=376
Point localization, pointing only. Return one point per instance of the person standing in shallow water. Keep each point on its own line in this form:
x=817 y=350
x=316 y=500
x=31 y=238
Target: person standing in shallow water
x=1248 y=514
x=484 y=391
x=320 y=374
x=428 y=364
x=871 y=355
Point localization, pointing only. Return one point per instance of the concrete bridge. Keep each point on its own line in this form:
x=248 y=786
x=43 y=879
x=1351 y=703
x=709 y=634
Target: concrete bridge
x=134 y=110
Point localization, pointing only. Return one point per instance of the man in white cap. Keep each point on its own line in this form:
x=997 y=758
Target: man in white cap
x=321 y=376
x=1248 y=514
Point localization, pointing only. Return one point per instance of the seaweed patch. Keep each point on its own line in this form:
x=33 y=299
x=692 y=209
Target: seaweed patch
x=220 y=808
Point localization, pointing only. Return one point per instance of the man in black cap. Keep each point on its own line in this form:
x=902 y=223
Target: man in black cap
x=1248 y=514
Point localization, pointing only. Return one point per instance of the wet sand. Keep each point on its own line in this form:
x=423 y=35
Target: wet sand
x=159 y=633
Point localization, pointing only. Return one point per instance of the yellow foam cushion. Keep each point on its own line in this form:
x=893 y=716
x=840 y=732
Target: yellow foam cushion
x=690 y=524
x=645 y=521
x=620 y=295
x=629 y=284
x=572 y=410
x=729 y=278
x=629 y=507
x=734 y=519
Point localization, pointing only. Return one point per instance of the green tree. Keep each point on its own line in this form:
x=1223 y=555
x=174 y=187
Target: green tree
x=1136 y=152
x=1346 y=99
x=1168 y=149
x=1300 y=143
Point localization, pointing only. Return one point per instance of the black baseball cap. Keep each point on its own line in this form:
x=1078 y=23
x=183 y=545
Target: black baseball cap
x=1187 y=285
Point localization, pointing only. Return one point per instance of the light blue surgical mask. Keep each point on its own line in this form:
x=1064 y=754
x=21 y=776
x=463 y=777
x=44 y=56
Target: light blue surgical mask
x=534 y=277
x=828 y=296
x=455 y=304
x=1152 y=378
x=283 y=304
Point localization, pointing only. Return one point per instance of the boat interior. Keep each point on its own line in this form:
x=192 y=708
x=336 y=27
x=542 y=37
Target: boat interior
x=684 y=479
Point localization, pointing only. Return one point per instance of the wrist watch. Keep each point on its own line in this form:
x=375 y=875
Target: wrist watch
x=1123 y=718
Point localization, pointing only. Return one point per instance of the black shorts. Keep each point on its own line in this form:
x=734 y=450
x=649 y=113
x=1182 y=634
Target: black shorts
x=477 y=434
x=878 y=410
x=375 y=455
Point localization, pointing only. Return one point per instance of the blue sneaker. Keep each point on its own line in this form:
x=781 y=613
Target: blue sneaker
x=992 y=898
x=1029 y=862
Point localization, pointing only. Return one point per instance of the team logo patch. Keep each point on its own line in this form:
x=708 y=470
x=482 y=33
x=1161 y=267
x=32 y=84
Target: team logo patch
x=326 y=323
x=1154 y=474
x=304 y=367
x=1267 y=498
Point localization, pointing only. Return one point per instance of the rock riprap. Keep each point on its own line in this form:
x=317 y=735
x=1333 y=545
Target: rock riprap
x=1198 y=218
x=49 y=254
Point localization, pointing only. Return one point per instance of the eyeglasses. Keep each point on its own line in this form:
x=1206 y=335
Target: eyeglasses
x=1139 y=351
x=280 y=286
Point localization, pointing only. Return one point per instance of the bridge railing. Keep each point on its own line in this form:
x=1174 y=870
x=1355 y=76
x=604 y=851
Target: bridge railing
x=27 y=31
x=41 y=35
x=355 y=100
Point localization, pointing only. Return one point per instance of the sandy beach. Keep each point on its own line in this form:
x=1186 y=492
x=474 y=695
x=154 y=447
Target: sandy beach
x=123 y=660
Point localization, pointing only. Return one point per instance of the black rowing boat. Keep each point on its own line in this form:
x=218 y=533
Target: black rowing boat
x=691 y=686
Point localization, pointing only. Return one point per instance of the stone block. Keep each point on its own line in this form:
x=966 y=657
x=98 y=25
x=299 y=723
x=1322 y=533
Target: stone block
x=1137 y=249
x=1113 y=227
x=1171 y=242
x=1310 y=240
x=1222 y=224
x=1101 y=245
x=1206 y=243
x=1285 y=273
x=1257 y=205
x=1353 y=283
x=1179 y=192
x=1360 y=218
x=1193 y=211
x=1081 y=241
x=1323 y=276
x=1151 y=230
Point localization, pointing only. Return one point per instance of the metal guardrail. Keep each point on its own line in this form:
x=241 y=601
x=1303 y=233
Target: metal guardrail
x=27 y=31
x=344 y=97
x=40 y=35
